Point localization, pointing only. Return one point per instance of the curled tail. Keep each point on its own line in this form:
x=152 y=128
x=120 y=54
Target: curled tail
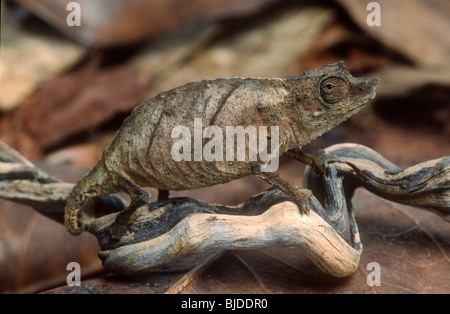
x=95 y=183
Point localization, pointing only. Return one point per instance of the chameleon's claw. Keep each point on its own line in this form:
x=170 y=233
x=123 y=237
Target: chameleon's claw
x=304 y=209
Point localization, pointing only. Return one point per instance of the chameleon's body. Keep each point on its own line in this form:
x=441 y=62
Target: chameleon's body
x=140 y=154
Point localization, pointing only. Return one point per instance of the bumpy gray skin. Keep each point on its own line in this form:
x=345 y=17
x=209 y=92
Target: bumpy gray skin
x=140 y=154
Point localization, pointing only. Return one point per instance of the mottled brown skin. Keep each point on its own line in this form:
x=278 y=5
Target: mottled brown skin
x=304 y=106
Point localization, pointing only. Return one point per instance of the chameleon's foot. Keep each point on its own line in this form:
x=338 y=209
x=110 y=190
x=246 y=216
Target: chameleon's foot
x=128 y=216
x=301 y=199
x=299 y=195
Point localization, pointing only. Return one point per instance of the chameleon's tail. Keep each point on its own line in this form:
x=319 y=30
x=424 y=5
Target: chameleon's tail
x=95 y=183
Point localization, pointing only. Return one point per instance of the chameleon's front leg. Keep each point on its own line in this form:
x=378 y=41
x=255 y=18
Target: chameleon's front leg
x=307 y=159
x=301 y=196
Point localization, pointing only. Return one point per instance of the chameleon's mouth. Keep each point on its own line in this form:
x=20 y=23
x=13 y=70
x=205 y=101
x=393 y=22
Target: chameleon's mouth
x=363 y=102
x=369 y=97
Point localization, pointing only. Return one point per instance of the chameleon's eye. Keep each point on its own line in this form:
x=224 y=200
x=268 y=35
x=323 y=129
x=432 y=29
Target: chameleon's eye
x=333 y=89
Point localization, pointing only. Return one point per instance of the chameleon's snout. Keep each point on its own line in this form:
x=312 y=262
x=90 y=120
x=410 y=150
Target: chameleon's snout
x=373 y=82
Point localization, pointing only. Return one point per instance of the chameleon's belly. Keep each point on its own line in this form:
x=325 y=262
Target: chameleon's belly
x=185 y=175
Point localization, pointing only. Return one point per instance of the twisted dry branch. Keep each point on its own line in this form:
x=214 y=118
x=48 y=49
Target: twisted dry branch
x=180 y=231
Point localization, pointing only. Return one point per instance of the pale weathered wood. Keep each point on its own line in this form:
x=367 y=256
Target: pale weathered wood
x=281 y=225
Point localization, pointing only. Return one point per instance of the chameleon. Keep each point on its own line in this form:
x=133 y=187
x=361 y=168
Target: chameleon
x=303 y=106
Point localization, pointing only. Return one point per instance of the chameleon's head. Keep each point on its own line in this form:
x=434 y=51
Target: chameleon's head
x=329 y=95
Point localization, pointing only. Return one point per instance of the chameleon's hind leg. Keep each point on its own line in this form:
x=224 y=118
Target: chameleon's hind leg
x=139 y=197
x=300 y=195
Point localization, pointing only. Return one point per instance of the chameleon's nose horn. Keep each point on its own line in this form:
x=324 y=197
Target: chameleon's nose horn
x=374 y=82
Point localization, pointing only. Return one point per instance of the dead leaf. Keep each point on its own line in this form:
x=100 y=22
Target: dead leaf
x=400 y=81
x=29 y=59
x=343 y=41
x=35 y=251
x=123 y=22
x=265 y=47
x=411 y=246
x=416 y=29
x=69 y=104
